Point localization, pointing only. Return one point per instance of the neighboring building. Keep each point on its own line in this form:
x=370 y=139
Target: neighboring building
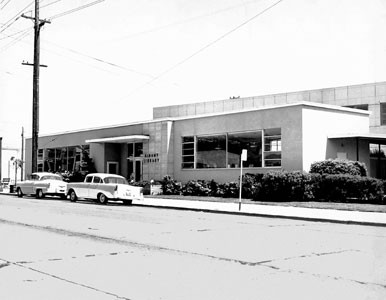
x=204 y=140
x=8 y=166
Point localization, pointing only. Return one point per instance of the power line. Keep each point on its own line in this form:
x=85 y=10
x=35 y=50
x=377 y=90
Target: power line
x=6 y=36
x=206 y=47
x=15 y=41
x=49 y=4
x=75 y=9
x=104 y=61
x=4 y=4
x=192 y=19
x=15 y=17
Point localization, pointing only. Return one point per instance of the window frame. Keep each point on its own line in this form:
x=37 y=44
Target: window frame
x=382 y=110
x=226 y=134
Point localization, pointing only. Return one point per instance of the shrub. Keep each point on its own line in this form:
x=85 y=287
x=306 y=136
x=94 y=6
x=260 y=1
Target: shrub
x=284 y=186
x=347 y=188
x=198 y=188
x=251 y=185
x=336 y=166
x=170 y=186
x=227 y=190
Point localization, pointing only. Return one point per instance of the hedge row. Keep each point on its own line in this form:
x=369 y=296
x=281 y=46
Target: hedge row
x=287 y=186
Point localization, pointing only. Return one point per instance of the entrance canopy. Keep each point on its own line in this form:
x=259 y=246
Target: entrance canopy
x=120 y=139
x=376 y=138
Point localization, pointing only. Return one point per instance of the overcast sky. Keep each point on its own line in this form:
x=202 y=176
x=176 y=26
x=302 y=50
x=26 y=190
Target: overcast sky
x=112 y=62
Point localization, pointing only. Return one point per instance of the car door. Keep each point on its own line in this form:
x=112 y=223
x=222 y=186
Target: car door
x=28 y=185
x=83 y=187
x=93 y=188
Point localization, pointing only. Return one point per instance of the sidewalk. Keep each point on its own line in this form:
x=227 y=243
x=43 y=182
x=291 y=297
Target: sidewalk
x=299 y=213
x=273 y=211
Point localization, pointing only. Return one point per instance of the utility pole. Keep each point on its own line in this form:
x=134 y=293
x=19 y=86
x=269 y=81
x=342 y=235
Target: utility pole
x=22 y=154
x=1 y=159
x=36 y=67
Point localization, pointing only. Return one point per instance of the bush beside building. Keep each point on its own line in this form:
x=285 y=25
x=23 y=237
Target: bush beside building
x=330 y=181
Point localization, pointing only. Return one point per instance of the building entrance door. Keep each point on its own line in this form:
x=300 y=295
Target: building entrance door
x=134 y=161
x=134 y=167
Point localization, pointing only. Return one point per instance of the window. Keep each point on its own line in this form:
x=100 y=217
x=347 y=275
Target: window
x=272 y=147
x=251 y=141
x=115 y=180
x=138 y=149
x=211 y=152
x=135 y=150
x=188 y=152
x=65 y=159
x=224 y=150
x=383 y=113
x=89 y=179
x=97 y=179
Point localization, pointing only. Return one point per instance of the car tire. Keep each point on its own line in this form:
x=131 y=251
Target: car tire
x=127 y=202
x=73 y=196
x=102 y=199
x=39 y=194
x=19 y=193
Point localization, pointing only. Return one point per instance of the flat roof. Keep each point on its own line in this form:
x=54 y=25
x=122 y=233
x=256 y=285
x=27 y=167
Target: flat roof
x=119 y=139
x=261 y=108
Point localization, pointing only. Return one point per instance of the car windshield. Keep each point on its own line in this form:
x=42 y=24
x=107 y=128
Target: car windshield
x=119 y=180
x=51 y=177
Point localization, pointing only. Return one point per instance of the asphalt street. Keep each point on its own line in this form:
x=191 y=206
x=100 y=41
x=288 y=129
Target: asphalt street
x=55 y=249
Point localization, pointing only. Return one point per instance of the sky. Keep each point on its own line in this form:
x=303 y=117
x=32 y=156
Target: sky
x=111 y=61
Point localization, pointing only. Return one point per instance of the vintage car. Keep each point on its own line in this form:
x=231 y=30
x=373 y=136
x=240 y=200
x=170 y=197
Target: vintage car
x=102 y=187
x=41 y=184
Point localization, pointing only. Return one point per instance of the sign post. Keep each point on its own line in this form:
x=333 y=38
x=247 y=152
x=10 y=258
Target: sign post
x=243 y=158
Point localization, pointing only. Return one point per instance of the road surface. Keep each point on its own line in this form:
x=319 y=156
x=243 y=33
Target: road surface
x=55 y=249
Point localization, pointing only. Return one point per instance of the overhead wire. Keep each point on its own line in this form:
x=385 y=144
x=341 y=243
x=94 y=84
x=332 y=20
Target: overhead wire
x=49 y=4
x=75 y=9
x=4 y=4
x=205 y=47
x=192 y=19
x=13 y=19
x=103 y=61
x=16 y=33
x=15 y=41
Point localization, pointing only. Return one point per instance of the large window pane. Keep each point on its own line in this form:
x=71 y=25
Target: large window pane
x=211 y=152
x=138 y=149
x=251 y=141
x=383 y=113
x=272 y=147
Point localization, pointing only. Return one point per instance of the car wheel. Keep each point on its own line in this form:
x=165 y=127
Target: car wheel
x=127 y=202
x=73 y=196
x=39 y=194
x=19 y=192
x=102 y=199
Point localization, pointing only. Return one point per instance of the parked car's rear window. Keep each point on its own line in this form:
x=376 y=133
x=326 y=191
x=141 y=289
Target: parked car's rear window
x=115 y=180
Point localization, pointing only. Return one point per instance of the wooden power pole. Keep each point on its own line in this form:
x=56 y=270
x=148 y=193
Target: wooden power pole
x=36 y=68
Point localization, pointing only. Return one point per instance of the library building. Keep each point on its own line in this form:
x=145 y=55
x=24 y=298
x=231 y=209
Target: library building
x=205 y=140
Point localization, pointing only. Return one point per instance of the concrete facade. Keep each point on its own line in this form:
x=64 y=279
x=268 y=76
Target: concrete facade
x=371 y=94
x=304 y=129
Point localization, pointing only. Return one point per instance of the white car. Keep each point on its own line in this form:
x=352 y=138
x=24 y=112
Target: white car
x=41 y=184
x=103 y=187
